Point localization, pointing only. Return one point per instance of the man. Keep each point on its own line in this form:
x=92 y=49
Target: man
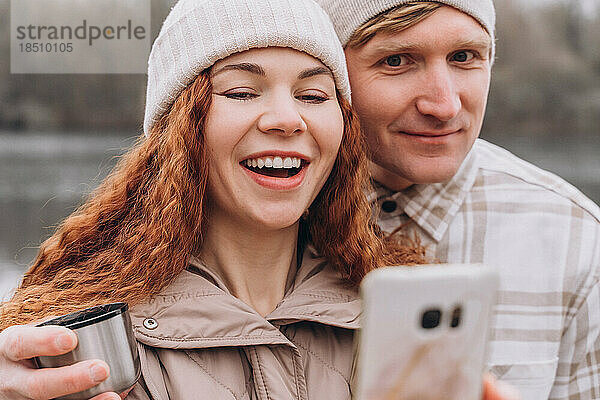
x=420 y=74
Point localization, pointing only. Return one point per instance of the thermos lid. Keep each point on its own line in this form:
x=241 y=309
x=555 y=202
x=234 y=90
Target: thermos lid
x=89 y=316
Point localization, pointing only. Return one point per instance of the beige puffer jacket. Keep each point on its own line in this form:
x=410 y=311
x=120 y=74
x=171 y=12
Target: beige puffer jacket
x=197 y=341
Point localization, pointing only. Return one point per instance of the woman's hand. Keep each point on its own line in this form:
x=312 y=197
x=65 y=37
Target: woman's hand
x=19 y=379
x=494 y=390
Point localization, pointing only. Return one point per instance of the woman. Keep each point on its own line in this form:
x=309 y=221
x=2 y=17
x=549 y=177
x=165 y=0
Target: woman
x=237 y=229
x=259 y=133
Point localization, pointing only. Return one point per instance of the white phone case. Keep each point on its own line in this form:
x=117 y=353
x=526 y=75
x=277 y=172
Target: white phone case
x=403 y=354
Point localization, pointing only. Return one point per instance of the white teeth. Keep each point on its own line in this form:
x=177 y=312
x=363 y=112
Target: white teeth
x=274 y=162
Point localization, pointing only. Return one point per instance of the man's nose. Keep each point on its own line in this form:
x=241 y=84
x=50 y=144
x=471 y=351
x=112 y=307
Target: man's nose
x=439 y=97
x=282 y=116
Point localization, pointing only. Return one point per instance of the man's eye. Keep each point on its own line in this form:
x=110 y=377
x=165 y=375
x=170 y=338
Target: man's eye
x=395 y=61
x=463 y=56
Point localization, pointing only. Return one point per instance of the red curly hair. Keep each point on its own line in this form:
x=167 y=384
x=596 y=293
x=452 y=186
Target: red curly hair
x=136 y=232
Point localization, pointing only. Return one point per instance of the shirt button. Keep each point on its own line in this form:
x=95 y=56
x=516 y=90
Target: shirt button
x=150 y=323
x=389 y=206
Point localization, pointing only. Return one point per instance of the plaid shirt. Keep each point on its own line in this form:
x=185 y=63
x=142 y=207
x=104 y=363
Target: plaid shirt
x=543 y=235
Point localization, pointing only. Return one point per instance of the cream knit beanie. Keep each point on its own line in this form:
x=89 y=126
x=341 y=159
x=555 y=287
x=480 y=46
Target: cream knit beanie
x=349 y=15
x=197 y=33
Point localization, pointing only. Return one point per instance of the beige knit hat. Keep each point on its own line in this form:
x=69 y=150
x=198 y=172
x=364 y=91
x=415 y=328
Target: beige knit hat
x=349 y=15
x=197 y=33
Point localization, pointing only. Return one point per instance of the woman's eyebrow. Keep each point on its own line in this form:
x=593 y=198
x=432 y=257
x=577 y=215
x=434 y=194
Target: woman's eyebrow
x=248 y=67
x=307 y=73
x=258 y=70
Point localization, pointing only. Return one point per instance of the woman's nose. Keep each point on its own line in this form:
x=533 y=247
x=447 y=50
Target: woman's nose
x=282 y=116
x=440 y=97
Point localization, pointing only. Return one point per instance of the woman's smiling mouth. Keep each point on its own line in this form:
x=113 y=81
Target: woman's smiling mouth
x=280 y=172
x=277 y=167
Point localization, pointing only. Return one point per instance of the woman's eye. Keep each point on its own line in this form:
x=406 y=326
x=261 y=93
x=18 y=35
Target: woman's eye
x=240 y=95
x=396 y=60
x=313 y=98
x=463 y=56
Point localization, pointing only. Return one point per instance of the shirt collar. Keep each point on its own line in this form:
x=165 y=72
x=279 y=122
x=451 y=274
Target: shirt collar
x=431 y=206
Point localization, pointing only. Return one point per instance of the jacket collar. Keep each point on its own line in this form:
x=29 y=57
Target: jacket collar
x=197 y=311
x=431 y=206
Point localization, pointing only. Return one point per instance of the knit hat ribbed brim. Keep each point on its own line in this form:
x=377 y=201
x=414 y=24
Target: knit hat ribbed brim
x=197 y=33
x=348 y=15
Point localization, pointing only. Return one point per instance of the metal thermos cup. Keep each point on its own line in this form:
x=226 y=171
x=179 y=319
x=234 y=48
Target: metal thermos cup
x=105 y=333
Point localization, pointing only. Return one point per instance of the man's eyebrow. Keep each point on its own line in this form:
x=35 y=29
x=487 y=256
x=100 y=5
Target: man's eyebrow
x=248 y=67
x=394 y=48
x=408 y=47
x=307 y=73
x=479 y=43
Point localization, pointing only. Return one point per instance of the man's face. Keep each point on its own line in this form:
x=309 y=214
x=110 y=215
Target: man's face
x=421 y=95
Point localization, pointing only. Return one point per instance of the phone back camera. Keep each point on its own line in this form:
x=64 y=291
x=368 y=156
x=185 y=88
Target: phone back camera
x=431 y=318
x=456 y=317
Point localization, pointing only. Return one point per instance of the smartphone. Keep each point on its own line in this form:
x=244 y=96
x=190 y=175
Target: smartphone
x=424 y=332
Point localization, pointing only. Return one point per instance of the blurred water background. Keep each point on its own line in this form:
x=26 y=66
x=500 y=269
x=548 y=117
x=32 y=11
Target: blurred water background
x=61 y=134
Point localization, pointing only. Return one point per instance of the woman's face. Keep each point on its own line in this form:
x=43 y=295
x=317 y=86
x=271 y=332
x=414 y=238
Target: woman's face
x=273 y=132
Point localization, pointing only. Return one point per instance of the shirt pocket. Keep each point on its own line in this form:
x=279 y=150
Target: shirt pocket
x=533 y=380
